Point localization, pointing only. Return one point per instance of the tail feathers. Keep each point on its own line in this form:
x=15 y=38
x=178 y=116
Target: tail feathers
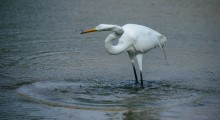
x=162 y=41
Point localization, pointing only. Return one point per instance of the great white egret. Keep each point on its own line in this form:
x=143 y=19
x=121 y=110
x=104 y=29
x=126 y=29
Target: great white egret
x=133 y=38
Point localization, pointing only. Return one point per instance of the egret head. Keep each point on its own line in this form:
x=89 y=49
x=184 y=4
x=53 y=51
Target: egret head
x=101 y=27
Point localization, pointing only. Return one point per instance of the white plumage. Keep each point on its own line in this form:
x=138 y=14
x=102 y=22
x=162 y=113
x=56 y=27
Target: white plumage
x=133 y=38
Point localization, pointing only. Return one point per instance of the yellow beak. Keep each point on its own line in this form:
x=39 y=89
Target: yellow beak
x=88 y=31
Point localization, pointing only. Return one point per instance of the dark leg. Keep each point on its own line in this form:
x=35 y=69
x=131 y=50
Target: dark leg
x=142 y=84
x=135 y=74
x=139 y=61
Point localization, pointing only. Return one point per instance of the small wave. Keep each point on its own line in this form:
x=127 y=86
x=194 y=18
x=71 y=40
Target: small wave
x=80 y=95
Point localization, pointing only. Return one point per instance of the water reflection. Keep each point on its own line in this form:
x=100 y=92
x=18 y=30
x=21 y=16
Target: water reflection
x=141 y=115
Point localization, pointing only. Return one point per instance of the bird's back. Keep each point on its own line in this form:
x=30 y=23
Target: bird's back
x=145 y=38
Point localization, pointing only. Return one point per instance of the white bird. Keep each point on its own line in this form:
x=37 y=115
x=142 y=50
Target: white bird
x=133 y=38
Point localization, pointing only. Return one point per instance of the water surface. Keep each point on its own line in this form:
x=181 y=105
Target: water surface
x=49 y=71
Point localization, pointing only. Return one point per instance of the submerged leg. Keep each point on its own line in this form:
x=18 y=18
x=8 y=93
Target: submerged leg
x=142 y=84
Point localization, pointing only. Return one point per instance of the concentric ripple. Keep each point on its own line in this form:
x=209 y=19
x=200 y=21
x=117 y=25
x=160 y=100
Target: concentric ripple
x=106 y=97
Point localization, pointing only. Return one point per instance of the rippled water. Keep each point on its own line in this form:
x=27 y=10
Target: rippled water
x=49 y=71
x=107 y=97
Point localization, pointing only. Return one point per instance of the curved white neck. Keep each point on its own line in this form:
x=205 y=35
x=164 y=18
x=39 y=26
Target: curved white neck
x=118 y=31
x=108 y=44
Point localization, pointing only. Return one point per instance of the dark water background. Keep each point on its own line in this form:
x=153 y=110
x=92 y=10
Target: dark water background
x=49 y=71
